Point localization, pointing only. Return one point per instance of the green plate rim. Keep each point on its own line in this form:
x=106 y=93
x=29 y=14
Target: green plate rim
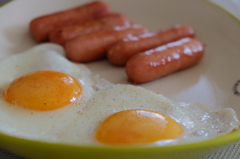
x=223 y=9
x=2 y=5
x=217 y=141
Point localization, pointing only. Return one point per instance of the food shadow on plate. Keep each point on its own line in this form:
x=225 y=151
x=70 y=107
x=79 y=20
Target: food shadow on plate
x=19 y=38
x=177 y=81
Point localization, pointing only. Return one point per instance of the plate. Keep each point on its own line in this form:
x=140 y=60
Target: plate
x=214 y=81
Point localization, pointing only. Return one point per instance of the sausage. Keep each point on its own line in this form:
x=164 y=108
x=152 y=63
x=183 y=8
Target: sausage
x=93 y=46
x=64 y=34
x=122 y=51
x=42 y=26
x=163 y=60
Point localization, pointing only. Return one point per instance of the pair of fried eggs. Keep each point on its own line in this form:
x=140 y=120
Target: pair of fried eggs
x=48 y=98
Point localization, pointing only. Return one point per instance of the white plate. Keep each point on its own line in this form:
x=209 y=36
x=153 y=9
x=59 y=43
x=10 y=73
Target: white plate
x=210 y=82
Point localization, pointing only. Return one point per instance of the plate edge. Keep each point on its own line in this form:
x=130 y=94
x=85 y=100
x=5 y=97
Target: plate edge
x=223 y=9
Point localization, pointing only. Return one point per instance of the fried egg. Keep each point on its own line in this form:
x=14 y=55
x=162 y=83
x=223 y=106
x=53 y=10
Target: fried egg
x=42 y=92
x=46 y=97
x=132 y=115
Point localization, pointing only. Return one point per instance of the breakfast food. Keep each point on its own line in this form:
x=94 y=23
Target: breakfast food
x=41 y=27
x=64 y=34
x=52 y=92
x=163 y=60
x=72 y=105
x=122 y=51
x=125 y=113
x=112 y=35
x=93 y=46
x=89 y=115
x=35 y=86
x=142 y=127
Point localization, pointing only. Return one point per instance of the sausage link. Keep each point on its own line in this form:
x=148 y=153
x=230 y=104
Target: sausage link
x=93 y=46
x=64 y=34
x=41 y=27
x=122 y=51
x=163 y=60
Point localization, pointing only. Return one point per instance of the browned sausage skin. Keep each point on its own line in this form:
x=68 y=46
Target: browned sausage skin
x=163 y=60
x=64 y=34
x=93 y=46
x=42 y=26
x=122 y=51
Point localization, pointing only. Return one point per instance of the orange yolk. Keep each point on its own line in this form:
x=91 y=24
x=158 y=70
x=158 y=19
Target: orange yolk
x=137 y=126
x=43 y=90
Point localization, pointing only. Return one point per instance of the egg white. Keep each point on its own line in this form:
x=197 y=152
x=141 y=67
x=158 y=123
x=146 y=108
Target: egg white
x=197 y=120
x=45 y=125
x=77 y=122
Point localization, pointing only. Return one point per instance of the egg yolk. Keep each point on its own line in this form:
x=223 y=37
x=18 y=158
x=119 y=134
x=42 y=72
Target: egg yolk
x=43 y=90
x=137 y=126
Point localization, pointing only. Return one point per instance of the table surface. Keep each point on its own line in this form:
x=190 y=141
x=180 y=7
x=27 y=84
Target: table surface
x=232 y=151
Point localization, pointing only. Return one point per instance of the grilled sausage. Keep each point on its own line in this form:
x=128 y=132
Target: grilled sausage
x=163 y=60
x=64 y=34
x=93 y=46
x=122 y=51
x=42 y=26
